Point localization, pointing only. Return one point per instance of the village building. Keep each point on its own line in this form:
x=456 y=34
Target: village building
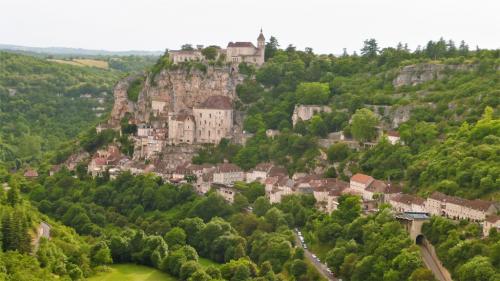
x=179 y=56
x=159 y=105
x=492 y=221
x=458 y=208
x=227 y=174
x=326 y=193
x=393 y=137
x=264 y=170
x=227 y=192
x=104 y=159
x=181 y=128
x=238 y=52
x=214 y=119
x=144 y=130
x=31 y=173
x=407 y=203
x=306 y=112
x=360 y=182
x=235 y=53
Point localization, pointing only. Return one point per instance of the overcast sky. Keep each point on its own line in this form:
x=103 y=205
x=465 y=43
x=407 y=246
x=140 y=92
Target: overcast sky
x=327 y=26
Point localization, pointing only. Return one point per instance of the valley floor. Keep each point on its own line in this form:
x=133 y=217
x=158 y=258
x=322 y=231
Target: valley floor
x=132 y=272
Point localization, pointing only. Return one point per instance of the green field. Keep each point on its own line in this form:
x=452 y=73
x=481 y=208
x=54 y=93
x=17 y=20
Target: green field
x=132 y=272
x=206 y=263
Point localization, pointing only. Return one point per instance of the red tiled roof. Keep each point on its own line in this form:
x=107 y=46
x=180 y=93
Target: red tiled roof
x=362 y=178
x=217 y=102
x=30 y=173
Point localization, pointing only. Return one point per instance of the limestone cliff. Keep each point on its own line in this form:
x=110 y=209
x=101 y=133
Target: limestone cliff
x=122 y=104
x=180 y=89
x=183 y=89
x=412 y=75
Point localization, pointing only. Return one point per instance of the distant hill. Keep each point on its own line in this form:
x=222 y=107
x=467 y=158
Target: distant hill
x=75 y=51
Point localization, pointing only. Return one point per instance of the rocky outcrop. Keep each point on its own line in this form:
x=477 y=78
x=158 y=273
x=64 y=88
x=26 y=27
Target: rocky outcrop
x=412 y=75
x=182 y=89
x=122 y=104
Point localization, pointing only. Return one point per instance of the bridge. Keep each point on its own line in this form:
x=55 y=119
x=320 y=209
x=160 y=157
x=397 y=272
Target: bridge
x=413 y=221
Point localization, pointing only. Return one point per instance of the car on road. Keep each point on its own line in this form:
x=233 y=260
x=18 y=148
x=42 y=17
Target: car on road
x=305 y=246
x=314 y=256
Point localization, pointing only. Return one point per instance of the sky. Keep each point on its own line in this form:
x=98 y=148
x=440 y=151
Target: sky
x=327 y=26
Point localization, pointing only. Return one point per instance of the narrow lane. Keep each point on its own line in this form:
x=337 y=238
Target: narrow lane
x=320 y=267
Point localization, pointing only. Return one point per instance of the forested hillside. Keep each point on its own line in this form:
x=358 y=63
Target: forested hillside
x=427 y=95
x=25 y=254
x=45 y=104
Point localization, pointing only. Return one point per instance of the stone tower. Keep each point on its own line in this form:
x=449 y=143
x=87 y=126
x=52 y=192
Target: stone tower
x=261 y=46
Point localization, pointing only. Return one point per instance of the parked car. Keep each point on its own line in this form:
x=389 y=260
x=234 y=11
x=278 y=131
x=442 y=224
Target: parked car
x=314 y=256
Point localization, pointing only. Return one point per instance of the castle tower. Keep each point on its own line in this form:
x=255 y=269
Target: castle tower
x=261 y=41
x=261 y=46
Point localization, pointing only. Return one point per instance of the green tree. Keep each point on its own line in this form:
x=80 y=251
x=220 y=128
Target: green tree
x=176 y=237
x=370 y=48
x=364 y=123
x=298 y=268
x=313 y=93
x=210 y=52
x=261 y=206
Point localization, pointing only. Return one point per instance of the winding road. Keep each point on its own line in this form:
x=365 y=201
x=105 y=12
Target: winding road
x=320 y=267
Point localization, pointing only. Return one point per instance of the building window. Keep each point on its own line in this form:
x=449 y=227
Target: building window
x=210 y=115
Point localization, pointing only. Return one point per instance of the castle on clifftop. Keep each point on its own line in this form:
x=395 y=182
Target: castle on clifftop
x=235 y=52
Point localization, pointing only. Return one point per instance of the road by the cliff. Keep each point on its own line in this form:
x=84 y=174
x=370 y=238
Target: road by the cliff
x=320 y=267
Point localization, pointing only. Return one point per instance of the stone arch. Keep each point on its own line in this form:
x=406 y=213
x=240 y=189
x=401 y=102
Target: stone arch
x=419 y=240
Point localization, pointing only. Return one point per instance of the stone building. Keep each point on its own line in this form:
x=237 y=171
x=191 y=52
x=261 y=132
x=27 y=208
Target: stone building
x=492 y=221
x=159 y=105
x=393 y=137
x=407 y=203
x=360 y=182
x=181 y=128
x=238 y=52
x=214 y=119
x=227 y=174
x=458 y=208
x=306 y=112
x=185 y=55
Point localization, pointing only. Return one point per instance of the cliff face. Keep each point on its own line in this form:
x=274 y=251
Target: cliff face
x=412 y=75
x=122 y=104
x=183 y=89
x=180 y=89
